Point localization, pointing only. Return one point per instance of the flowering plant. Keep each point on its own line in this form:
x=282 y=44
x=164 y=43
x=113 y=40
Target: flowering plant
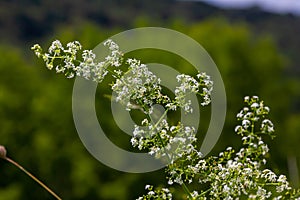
x=233 y=174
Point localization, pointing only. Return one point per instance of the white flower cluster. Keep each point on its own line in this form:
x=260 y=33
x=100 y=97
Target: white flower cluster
x=189 y=85
x=65 y=60
x=231 y=175
x=235 y=175
x=251 y=115
x=165 y=142
x=138 y=87
x=207 y=87
x=280 y=181
x=161 y=193
x=235 y=178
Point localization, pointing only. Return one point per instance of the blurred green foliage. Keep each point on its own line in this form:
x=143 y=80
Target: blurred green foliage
x=36 y=110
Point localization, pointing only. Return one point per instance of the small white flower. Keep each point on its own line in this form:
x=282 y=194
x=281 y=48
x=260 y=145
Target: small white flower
x=254 y=105
x=246 y=123
x=148 y=187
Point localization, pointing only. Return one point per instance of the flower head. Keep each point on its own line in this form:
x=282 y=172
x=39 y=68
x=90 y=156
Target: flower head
x=2 y=152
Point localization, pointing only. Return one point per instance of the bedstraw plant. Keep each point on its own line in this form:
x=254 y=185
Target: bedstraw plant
x=233 y=174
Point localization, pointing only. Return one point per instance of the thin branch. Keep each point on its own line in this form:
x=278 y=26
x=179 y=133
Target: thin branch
x=3 y=156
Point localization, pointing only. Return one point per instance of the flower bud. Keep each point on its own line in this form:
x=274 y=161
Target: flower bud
x=2 y=152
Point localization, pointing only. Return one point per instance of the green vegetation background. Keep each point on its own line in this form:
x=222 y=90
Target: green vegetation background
x=256 y=52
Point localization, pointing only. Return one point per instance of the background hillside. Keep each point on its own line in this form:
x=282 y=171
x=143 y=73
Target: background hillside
x=28 y=20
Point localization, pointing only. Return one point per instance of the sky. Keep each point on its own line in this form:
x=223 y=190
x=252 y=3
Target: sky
x=277 y=6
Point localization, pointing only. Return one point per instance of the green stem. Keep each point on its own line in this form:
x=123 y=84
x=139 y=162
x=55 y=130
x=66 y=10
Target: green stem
x=252 y=127
x=160 y=119
x=33 y=177
x=271 y=184
x=206 y=191
x=186 y=190
x=184 y=187
x=54 y=57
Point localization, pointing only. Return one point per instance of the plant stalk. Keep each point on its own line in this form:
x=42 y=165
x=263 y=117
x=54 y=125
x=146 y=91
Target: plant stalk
x=33 y=177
